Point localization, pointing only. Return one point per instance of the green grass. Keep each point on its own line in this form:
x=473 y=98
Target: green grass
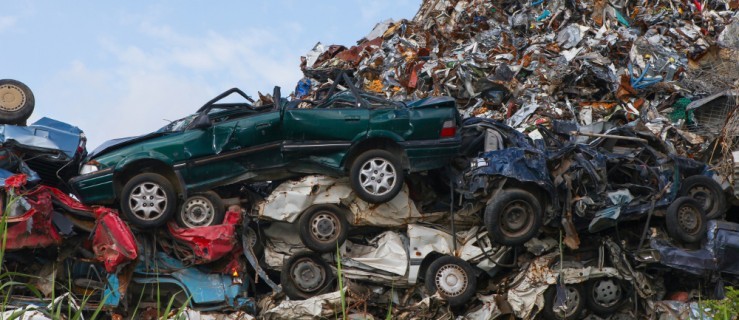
x=340 y=276
x=724 y=309
x=76 y=308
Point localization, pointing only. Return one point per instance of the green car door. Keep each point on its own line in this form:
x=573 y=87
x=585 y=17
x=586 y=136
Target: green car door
x=325 y=131
x=237 y=148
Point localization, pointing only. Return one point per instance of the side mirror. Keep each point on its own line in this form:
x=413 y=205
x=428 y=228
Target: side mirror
x=202 y=121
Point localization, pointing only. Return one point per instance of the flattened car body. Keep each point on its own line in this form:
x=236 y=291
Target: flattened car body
x=228 y=143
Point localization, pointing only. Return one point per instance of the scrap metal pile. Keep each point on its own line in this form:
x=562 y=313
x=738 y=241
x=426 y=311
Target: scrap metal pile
x=514 y=159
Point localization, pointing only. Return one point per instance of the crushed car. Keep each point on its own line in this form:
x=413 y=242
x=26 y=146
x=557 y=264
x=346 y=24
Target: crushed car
x=621 y=175
x=324 y=209
x=419 y=254
x=373 y=140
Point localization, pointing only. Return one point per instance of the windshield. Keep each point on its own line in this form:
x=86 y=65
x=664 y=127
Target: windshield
x=182 y=124
x=178 y=125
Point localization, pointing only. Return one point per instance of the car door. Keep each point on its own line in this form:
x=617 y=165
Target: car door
x=325 y=129
x=237 y=147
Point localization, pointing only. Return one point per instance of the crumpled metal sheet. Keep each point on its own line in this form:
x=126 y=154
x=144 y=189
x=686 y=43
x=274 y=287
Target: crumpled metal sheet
x=192 y=314
x=321 y=306
x=676 y=310
x=112 y=241
x=529 y=285
x=385 y=252
x=46 y=134
x=209 y=243
x=488 y=310
x=291 y=198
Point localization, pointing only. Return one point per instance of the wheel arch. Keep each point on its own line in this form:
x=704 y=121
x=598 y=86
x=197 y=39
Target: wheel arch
x=535 y=189
x=128 y=169
x=427 y=261
x=383 y=142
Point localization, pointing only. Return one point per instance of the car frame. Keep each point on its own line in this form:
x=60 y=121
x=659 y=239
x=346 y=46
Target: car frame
x=226 y=144
x=538 y=181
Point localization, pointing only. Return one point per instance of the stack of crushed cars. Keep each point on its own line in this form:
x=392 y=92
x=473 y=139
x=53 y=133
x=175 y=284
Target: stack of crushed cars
x=554 y=159
x=599 y=157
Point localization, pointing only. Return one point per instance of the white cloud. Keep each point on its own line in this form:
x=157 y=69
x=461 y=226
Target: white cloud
x=7 y=22
x=170 y=79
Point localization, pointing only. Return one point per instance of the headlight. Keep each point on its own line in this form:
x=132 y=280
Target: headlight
x=478 y=162
x=89 y=167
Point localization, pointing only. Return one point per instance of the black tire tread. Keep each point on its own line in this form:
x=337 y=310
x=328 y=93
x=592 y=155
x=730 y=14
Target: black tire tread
x=471 y=284
x=305 y=234
x=291 y=290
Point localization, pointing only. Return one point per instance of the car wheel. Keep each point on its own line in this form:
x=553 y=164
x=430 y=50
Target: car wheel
x=706 y=191
x=453 y=278
x=685 y=220
x=323 y=228
x=604 y=296
x=201 y=210
x=305 y=275
x=148 y=200
x=16 y=102
x=573 y=306
x=376 y=176
x=252 y=240
x=513 y=217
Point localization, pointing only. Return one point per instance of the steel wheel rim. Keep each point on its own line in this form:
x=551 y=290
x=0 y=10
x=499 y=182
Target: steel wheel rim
x=571 y=302
x=324 y=227
x=198 y=211
x=12 y=98
x=606 y=292
x=516 y=218
x=251 y=237
x=451 y=279
x=703 y=195
x=377 y=176
x=147 y=198
x=307 y=275
x=689 y=219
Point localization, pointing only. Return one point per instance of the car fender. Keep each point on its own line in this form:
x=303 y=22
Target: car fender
x=144 y=155
x=384 y=134
x=128 y=163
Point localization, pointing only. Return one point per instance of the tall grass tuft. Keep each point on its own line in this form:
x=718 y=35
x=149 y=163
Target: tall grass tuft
x=341 y=283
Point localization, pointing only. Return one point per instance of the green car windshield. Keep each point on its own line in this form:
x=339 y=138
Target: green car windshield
x=182 y=124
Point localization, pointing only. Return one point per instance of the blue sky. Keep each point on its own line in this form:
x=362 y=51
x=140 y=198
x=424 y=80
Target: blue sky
x=119 y=68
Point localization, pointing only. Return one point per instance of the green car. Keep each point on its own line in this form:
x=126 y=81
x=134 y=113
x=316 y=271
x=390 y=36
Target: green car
x=192 y=164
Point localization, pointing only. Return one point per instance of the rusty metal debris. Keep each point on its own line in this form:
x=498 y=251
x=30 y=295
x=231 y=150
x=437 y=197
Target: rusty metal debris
x=597 y=161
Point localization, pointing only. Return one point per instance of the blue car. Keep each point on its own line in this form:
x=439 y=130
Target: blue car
x=50 y=148
x=625 y=174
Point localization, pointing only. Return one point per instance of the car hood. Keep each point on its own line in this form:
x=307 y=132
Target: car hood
x=45 y=135
x=116 y=144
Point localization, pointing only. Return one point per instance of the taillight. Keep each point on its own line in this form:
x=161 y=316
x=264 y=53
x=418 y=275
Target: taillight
x=448 y=129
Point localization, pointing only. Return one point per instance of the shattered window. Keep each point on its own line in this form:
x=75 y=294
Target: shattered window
x=178 y=125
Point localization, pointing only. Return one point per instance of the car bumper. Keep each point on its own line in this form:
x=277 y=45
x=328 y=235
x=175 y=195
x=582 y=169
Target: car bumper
x=94 y=188
x=431 y=154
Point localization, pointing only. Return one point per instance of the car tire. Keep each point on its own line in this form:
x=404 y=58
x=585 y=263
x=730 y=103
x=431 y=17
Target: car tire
x=201 y=210
x=685 y=220
x=604 y=296
x=513 y=217
x=305 y=275
x=323 y=228
x=16 y=102
x=453 y=278
x=574 y=305
x=160 y=204
x=376 y=165
x=708 y=192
